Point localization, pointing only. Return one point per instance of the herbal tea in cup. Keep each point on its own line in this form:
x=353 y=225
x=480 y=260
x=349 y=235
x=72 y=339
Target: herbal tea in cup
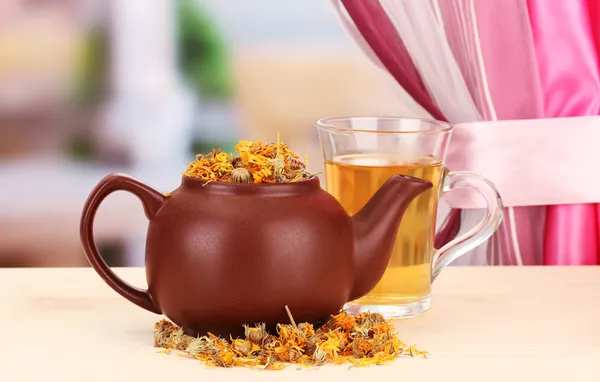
x=361 y=153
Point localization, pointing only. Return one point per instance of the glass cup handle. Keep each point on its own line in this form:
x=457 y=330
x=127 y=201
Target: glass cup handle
x=478 y=234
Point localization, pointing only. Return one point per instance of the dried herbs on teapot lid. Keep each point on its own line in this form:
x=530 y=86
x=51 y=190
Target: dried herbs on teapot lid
x=254 y=163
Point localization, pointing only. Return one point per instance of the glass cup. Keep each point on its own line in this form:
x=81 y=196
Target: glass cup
x=360 y=154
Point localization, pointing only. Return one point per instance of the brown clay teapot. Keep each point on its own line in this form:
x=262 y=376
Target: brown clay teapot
x=221 y=255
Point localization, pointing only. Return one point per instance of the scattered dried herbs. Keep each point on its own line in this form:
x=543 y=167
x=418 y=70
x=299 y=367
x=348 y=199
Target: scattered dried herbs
x=361 y=340
x=254 y=163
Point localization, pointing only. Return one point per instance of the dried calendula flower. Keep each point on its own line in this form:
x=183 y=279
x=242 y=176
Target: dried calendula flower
x=345 y=321
x=319 y=356
x=362 y=340
x=303 y=332
x=241 y=175
x=179 y=340
x=362 y=347
x=270 y=342
x=237 y=162
x=224 y=358
x=197 y=346
x=288 y=354
x=162 y=333
x=295 y=164
x=313 y=342
x=278 y=167
x=242 y=347
x=255 y=334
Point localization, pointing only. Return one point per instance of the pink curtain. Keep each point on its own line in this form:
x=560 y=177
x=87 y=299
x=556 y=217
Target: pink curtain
x=512 y=76
x=568 y=65
x=504 y=83
x=594 y=12
x=378 y=31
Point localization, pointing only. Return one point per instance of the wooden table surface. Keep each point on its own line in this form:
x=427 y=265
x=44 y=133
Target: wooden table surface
x=486 y=324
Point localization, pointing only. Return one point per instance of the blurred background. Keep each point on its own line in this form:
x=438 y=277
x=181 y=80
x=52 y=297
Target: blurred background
x=89 y=87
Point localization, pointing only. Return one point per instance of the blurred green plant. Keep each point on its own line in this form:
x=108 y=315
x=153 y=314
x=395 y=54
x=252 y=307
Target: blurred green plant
x=80 y=146
x=91 y=82
x=202 y=52
x=202 y=59
x=91 y=87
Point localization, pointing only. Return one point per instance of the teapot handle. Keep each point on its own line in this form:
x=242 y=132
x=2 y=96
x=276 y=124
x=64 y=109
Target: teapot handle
x=152 y=201
x=478 y=234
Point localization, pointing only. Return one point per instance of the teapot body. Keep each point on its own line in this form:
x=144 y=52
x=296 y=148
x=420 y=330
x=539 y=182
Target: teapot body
x=223 y=255
x=219 y=256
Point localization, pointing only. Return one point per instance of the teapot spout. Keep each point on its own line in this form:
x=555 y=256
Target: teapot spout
x=376 y=226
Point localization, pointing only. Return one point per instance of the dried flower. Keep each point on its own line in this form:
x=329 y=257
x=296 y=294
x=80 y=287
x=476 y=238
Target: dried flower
x=241 y=175
x=197 y=346
x=162 y=333
x=364 y=339
x=237 y=162
x=287 y=354
x=362 y=347
x=278 y=165
x=344 y=321
x=262 y=175
x=270 y=342
x=313 y=342
x=295 y=164
x=255 y=334
x=319 y=356
x=242 y=347
x=224 y=358
x=179 y=340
